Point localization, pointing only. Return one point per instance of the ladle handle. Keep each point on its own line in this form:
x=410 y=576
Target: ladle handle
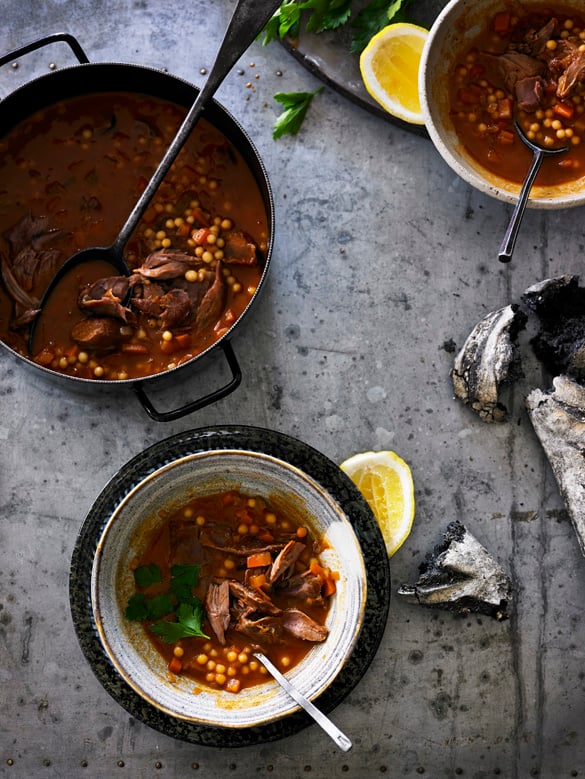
x=509 y=240
x=247 y=22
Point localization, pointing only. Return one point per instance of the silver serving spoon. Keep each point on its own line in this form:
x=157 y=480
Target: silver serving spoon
x=328 y=726
x=539 y=153
x=248 y=20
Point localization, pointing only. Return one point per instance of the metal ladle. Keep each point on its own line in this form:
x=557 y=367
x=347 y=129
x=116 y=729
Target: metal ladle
x=248 y=20
x=539 y=153
x=324 y=722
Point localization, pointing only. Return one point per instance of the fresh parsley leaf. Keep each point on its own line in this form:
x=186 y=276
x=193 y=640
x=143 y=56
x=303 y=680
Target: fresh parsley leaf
x=189 y=619
x=374 y=17
x=160 y=606
x=136 y=608
x=147 y=575
x=183 y=579
x=327 y=14
x=284 y=21
x=140 y=607
x=296 y=105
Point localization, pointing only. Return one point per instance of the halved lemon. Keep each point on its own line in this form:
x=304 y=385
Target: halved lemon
x=385 y=481
x=389 y=66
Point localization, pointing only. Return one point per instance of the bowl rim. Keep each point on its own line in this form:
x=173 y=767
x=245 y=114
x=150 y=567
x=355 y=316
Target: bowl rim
x=347 y=639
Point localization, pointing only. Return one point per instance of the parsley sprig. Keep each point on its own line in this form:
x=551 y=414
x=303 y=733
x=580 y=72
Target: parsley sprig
x=296 y=105
x=177 y=613
x=322 y=15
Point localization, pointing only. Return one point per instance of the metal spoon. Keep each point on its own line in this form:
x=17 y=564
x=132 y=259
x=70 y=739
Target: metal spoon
x=539 y=153
x=248 y=19
x=329 y=727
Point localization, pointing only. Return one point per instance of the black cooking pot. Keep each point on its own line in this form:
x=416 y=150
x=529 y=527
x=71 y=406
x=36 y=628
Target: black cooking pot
x=87 y=78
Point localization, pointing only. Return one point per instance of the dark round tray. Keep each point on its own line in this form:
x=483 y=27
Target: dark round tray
x=330 y=477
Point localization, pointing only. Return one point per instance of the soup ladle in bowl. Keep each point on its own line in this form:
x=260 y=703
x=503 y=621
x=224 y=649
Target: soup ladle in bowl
x=248 y=20
x=324 y=722
x=539 y=153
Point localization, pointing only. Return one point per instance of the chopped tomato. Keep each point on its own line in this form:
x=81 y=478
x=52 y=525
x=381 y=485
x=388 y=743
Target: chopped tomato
x=564 y=110
x=502 y=23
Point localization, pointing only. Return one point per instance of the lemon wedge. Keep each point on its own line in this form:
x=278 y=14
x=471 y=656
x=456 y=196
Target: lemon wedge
x=389 y=67
x=385 y=481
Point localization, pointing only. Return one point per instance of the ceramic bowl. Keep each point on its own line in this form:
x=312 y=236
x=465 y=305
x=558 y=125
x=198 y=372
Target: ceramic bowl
x=127 y=532
x=453 y=30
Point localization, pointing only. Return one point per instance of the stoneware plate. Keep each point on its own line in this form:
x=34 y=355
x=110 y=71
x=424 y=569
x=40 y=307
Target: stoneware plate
x=127 y=534
x=327 y=482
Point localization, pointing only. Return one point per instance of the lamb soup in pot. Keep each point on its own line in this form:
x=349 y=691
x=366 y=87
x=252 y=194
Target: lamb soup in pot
x=70 y=175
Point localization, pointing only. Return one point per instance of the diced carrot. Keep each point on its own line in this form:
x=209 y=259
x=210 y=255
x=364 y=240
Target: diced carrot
x=316 y=569
x=502 y=23
x=45 y=356
x=178 y=342
x=258 y=581
x=564 y=110
x=476 y=71
x=329 y=587
x=134 y=349
x=470 y=94
x=244 y=516
x=176 y=665
x=506 y=137
x=259 y=560
x=505 y=108
x=184 y=230
x=149 y=215
x=199 y=216
x=200 y=236
x=233 y=685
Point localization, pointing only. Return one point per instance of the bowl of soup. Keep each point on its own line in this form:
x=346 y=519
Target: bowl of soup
x=212 y=556
x=486 y=64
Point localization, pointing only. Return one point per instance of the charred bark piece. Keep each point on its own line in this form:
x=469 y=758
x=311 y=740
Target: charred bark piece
x=558 y=419
x=489 y=358
x=459 y=575
x=559 y=304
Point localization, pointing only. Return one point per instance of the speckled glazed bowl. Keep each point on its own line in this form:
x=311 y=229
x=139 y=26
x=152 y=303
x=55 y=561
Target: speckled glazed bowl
x=458 y=23
x=127 y=532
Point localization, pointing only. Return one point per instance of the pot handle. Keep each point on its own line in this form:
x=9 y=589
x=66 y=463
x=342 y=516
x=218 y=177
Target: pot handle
x=46 y=41
x=194 y=405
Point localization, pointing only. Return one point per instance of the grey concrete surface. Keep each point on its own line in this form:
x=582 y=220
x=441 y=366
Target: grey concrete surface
x=382 y=257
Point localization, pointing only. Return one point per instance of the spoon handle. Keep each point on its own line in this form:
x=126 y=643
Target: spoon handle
x=248 y=20
x=328 y=726
x=509 y=240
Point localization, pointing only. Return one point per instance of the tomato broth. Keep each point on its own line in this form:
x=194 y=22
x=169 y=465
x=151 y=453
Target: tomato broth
x=258 y=582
